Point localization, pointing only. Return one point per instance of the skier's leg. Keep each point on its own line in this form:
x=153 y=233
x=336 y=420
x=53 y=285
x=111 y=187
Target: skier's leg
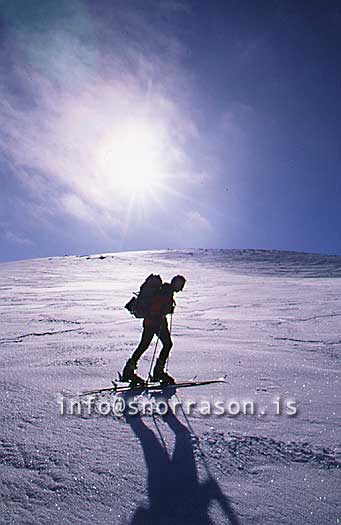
x=128 y=373
x=146 y=339
x=159 y=373
x=166 y=341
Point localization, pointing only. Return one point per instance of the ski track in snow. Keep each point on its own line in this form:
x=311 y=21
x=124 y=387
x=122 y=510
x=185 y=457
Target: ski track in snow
x=19 y=338
x=228 y=453
x=235 y=452
x=267 y=319
x=314 y=341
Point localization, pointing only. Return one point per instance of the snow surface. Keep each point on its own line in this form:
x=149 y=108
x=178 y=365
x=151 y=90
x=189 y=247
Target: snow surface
x=269 y=320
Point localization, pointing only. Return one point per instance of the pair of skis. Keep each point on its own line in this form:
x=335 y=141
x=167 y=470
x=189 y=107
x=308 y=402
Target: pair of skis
x=155 y=386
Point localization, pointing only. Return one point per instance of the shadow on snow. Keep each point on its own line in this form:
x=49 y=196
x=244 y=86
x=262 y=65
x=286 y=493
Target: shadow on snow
x=175 y=494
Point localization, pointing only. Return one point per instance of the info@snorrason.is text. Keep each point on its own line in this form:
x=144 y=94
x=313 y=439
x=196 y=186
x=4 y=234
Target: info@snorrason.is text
x=119 y=406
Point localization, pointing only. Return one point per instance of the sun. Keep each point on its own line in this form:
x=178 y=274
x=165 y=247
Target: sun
x=132 y=159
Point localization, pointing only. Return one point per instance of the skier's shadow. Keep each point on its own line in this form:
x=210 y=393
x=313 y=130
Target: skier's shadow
x=176 y=497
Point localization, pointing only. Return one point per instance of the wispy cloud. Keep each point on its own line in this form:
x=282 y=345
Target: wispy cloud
x=70 y=91
x=197 y=222
x=13 y=237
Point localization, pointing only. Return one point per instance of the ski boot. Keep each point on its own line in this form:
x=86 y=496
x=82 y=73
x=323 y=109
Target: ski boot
x=159 y=374
x=129 y=375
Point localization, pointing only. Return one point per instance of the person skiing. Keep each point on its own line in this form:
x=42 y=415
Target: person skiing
x=155 y=323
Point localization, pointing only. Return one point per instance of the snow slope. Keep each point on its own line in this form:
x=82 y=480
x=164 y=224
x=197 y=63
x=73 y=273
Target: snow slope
x=269 y=320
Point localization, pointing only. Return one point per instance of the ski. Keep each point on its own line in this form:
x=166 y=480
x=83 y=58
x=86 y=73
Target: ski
x=117 y=387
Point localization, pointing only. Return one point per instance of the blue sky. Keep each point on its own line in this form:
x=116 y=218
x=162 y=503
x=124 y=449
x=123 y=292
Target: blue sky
x=141 y=125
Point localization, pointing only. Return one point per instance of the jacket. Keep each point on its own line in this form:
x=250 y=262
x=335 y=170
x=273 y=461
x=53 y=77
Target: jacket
x=161 y=305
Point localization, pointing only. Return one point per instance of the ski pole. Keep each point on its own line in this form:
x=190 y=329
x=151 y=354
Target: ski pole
x=170 y=333
x=154 y=353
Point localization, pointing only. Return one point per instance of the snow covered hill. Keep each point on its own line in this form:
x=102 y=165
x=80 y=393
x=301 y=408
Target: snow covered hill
x=269 y=320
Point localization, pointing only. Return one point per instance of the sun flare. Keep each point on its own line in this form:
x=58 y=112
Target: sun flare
x=131 y=159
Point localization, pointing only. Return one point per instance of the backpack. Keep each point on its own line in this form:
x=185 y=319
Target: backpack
x=139 y=305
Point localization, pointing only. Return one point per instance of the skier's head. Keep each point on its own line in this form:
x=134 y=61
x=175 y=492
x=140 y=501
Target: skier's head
x=178 y=282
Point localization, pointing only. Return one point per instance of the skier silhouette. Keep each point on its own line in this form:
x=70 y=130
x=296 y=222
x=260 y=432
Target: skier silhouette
x=155 y=323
